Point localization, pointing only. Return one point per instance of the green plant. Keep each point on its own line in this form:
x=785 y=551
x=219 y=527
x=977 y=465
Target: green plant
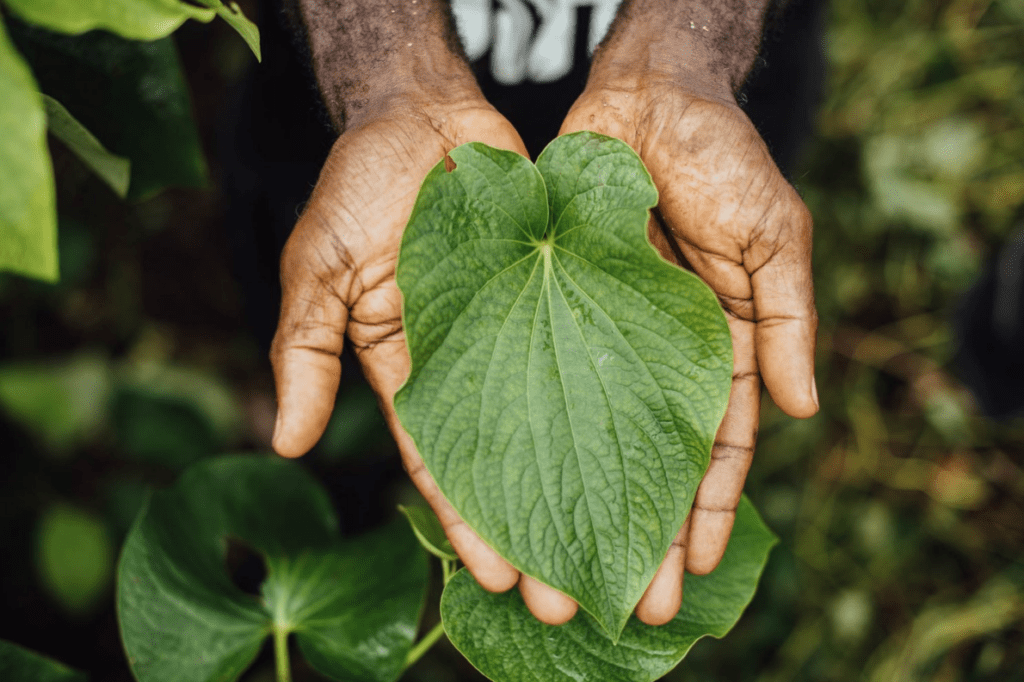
x=116 y=66
x=534 y=307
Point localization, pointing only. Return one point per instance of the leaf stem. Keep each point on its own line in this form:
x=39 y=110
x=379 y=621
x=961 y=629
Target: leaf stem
x=424 y=644
x=446 y=570
x=284 y=672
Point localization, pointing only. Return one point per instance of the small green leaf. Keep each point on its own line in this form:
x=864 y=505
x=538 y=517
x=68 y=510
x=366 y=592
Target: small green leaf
x=111 y=168
x=232 y=14
x=506 y=643
x=134 y=19
x=18 y=663
x=566 y=382
x=130 y=94
x=75 y=558
x=62 y=403
x=429 y=532
x=28 y=210
x=353 y=605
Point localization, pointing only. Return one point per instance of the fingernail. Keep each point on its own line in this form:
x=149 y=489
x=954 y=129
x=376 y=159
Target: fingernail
x=814 y=392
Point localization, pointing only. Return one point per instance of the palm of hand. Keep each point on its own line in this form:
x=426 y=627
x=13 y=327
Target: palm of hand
x=338 y=267
x=338 y=276
x=727 y=213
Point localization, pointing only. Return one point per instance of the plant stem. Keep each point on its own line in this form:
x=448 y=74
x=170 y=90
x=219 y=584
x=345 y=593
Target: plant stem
x=446 y=570
x=284 y=672
x=424 y=645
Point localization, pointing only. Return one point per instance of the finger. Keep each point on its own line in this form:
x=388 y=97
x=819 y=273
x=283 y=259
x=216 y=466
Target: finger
x=784 y=309
x=664 y=596
x=714 y=508
x=547 y=604
x=305 y=350
x=386 y=366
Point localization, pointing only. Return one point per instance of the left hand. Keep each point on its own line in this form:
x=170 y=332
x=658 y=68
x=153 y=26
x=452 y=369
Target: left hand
x=726 y=212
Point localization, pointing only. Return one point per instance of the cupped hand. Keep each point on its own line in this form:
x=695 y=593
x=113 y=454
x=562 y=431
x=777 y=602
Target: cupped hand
x=726 y=212
x=338 y=278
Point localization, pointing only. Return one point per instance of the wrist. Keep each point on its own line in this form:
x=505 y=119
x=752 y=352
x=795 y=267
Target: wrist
x=414 y=83
x=371 y=55
x=707 y=46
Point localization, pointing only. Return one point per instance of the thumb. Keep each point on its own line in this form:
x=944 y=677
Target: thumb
x=306 y=348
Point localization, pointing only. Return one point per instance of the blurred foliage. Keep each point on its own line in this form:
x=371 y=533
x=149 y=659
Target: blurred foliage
x=900 y=507
x=75 y=558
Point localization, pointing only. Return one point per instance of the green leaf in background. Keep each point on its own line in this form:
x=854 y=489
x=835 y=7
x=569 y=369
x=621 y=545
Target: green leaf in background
x=161 y=430
x=356 y=426
x=232 y=14
x=62 y=403
x=28 y=212
x=74 y=557
x=134 y=19
x=429 y=532
x=353 y=605
x=21 y=665
x=506 y=643
x=131 y=95
x=567 y=382
x=112 y=169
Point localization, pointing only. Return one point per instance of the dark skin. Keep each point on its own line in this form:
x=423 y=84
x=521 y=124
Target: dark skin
x=663 y=82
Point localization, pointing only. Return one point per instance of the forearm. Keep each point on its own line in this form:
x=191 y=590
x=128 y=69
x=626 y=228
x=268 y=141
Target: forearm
x=715 y=41
x=367 y=53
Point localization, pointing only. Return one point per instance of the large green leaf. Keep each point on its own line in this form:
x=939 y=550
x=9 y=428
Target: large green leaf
x=133 y=19
x=566 y=381
x=506 y=643
x=111 y=168
x=22 y=665
x=131 y=95
x=28 y=212
x=353 y=606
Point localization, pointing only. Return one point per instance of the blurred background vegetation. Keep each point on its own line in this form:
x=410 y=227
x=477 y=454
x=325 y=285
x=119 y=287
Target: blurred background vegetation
x=900 y=505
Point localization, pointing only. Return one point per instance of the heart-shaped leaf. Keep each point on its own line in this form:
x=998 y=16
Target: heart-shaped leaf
x=506 y=643
x=353 y=606
x=566 y=381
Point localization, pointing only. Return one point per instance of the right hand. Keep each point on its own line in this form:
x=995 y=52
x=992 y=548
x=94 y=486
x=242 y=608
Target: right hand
x=338 y=277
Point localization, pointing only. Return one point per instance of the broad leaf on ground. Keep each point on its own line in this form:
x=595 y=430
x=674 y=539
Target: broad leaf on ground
x=112 y=169
x=28 y=212
x=566 y=382
x=352 y=605
x=131 y=95
x=23 y=665
x=133 y=19
x=503 y=641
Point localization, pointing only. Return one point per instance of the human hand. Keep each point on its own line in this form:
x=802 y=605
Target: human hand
x=338 y=276
x=726 y=212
